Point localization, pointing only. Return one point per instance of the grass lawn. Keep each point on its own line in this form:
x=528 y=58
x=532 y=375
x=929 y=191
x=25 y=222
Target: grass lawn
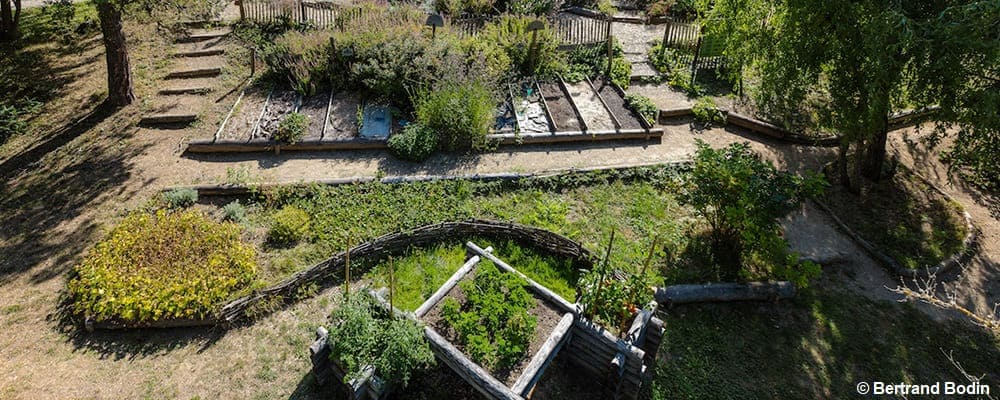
x=421 y=272
x=587 y=213
x=903 y=217
x=818 y=346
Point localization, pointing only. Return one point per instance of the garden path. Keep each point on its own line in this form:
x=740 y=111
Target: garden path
x=636 y=40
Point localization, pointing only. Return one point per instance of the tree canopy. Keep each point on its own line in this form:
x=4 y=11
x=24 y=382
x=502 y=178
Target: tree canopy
x=869 y=58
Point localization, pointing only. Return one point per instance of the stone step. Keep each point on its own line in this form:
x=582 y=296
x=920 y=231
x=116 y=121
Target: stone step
x=200 y=53
x=203 y=23
x=643 y=70
x=636 y=57
x=217 y=43
x=168 y=119
x=195 y=73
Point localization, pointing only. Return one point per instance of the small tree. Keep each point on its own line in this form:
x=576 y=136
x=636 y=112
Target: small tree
x=742 y=198
x=120 y=92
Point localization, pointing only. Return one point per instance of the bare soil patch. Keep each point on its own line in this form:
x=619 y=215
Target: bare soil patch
x=246 y=114
x=282 y=103
x=343 y=118
x=314 y=108
x=615 y=102
x=563 y=116
x=591 y=109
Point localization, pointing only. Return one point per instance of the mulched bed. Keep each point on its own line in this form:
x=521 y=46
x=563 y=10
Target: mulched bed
x=282 y=103
x=616 y=103
x=314 y=107
x=546 y=313
x=560 y=108
x=242 y=121
x=343 y=119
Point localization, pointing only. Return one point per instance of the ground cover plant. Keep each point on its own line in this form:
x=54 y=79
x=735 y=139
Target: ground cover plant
x=163 y=265
x=903 y=217
x=363 y=334
x=492 y=323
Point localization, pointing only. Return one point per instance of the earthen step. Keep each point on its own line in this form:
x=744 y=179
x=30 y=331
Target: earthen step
x=195 y=73
x=203 y=23
x=185 y=90
x=200 y=35
x=168 y=119
x=200 y=53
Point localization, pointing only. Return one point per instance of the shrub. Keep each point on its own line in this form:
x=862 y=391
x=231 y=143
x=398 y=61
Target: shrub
x=706 y=111
x=364 y=334
x=511 y=33
x=304 y=59
x=530 y=7
x=743 y=198
x=659 y=8
x=415 y=143
x=234 y=212
x=162 y=266
x=593 y=61
x=493 y=324
x=461 y=114
x=288 y=225
x=470 y=7
x=12 y=118
x=644 y=106
x=292 y=128
x=671 y=62
x=180 y=198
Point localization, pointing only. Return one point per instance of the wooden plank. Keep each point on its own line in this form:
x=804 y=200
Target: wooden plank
x=468 y=370
x=450 y=283
x=722 y=292
x=529 y=377
x=542 y=291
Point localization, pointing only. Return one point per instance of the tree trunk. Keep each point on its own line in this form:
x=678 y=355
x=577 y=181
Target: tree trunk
x=875 y=154
x=855 y=185
x=17 y=16
x=119 y=72
x=845 y=177
x=6 y=21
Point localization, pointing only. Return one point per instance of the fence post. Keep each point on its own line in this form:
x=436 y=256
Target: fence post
x=697 y=52
x=243 y=13
x=666 y=36
x=608 y=38
x=302 y=12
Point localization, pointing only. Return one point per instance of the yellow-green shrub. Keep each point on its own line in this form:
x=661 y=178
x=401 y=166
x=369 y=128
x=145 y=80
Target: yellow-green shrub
x=289 y=225
x=162 y=266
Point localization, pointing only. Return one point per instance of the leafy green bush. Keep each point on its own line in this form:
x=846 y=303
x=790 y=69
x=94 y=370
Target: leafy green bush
x=292 y=128
x=12 y=117
x=180 y=198
x=644 y=106
x=743 y=198
x=162 y=266
x=593 y=61
x=530 y=7
x=288 y=225
x=461 y=114
x=363 y=334
x=493 y=324
x=234 y=212
x=415 y=143
x=467 y=7
x=675 y=64
x=705 y=110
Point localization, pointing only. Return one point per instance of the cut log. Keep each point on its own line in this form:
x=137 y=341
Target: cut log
x=443 y=290
x=723 y=292
x=542 y=291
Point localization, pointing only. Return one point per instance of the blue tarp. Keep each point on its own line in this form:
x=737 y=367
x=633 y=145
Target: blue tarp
x=377 y=123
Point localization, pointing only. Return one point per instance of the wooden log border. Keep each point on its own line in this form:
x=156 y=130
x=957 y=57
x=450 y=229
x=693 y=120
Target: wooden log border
x=724 y=292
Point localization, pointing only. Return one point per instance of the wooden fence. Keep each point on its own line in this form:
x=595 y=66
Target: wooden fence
x=694 y=48
x=327 y=15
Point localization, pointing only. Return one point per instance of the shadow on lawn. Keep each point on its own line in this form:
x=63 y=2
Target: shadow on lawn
x=820 y=345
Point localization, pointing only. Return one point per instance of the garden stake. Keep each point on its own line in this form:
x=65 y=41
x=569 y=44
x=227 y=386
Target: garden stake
x=649 y=258
x=347 y=269
x=392 y=281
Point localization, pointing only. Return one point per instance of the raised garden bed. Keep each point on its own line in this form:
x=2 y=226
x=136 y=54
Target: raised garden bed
x=244 y=115
x=342 y=122
x=315 y=109
x=546 y=314
x=561 y=109
x=283 y=102
x=531 y=114
x=615 y=101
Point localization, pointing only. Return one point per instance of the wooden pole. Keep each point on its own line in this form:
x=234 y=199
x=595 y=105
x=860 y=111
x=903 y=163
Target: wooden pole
x=243 y=13
x=607 y=253
x=392 y=281
x=610 y=44
x=694 y=61
x=649 y=258
x=347 y=268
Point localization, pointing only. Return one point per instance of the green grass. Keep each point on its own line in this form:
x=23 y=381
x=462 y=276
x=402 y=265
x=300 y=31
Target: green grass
x=818 y=346
x=904 y=218
x=585 y=209
x=421 y=272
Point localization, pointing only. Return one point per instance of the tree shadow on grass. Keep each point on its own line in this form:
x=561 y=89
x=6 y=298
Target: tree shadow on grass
x=820 y=345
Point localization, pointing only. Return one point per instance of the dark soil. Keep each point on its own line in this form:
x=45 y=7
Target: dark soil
x=343 y=119
x=562 y=380
x=314 y=108
x=616 y=104
x=242 y=121
x=546 y=314
x=282 y=103
x=438 y=382
x=563 y=115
